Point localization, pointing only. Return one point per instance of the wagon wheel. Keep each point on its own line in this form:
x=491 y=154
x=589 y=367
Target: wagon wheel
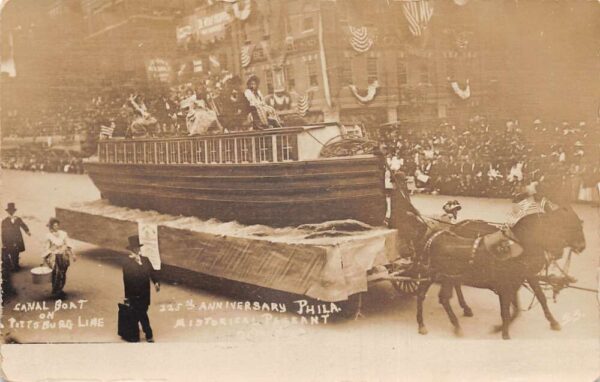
x=408 y=287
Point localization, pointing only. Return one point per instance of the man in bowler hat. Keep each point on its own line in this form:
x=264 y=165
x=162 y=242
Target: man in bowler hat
x=137 y=274
x=12 y=239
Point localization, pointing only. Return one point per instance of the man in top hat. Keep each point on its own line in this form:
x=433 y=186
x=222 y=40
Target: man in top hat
x=137 y=274
x=12 y=239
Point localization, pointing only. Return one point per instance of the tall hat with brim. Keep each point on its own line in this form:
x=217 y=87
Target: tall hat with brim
x=253 y=77
x=134 y=242
x=10 y=207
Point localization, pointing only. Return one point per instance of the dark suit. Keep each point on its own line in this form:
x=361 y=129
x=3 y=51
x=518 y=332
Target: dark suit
x=12 y=239
x=136 y=279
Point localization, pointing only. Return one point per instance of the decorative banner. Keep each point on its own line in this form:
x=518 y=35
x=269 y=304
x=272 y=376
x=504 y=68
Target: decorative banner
x=244 y=12
x=278 y=79
x=159 y=69
x=360 y=41
x=418 y=14
x=304 y=101
x=371 y=92
x=198 y=67
x=148 y=233
x=246 y=54
x=184 y=34
x=463 y=94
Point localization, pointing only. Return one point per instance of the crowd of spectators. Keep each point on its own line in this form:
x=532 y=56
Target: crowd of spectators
x=495 y=160
x=42 y=160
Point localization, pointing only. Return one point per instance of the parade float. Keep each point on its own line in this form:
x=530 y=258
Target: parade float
x=295 y=209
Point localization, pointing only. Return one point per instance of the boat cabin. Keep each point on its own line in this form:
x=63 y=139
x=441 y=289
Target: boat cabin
x=301 y=143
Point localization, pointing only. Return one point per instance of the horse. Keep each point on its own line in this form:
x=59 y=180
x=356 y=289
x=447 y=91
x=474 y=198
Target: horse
x=450 y=259
x=575 y=239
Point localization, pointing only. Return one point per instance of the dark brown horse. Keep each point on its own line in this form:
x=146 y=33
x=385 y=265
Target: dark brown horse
x=574 y=238
x=449 y=259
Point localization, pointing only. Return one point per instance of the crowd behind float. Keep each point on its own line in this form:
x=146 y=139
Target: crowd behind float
x=477 y=157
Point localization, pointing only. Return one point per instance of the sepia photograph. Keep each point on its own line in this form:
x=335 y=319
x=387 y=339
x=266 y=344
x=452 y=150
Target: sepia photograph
x=300 y=190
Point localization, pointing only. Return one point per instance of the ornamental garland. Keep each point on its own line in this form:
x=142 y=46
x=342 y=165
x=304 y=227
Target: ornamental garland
x=244 y=12
x=360 y=41
x=304 y=101
x=371 y=92
x=246 y=55
x=279 y=102
x=462 y=93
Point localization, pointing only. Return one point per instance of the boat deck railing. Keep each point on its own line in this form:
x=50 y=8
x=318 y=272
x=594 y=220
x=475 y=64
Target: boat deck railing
x=274 y=145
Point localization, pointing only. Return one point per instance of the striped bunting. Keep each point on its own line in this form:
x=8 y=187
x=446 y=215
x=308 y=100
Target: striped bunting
x=417 y=13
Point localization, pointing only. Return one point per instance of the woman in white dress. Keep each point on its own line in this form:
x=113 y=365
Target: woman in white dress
x=58 y=256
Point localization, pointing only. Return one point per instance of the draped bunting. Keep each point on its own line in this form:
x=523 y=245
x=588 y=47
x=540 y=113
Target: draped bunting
x=360 y=40
x=304 y=101
x=462 y=93
x=418 y=14
x=371 y=92
x=244 y=12
x=279 y=101
x=246 y=55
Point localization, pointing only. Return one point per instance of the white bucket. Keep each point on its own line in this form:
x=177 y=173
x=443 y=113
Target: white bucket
x=41 y=275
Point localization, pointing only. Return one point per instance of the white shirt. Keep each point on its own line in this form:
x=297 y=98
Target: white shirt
x=255 y=100
x=56 y=242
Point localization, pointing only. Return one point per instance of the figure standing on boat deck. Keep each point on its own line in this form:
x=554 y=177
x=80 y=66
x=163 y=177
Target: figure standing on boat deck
x=137 y=274
x=144 y=123
x=58 y=256
x=263 y=115
x=12 y=239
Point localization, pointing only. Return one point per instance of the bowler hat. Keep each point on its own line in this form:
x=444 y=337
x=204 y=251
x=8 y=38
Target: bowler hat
x=10 y=207
x=134 y=242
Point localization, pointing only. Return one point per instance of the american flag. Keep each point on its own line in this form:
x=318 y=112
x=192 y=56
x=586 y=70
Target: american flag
x=525 y=207
x=417 y=13
x=106 y=131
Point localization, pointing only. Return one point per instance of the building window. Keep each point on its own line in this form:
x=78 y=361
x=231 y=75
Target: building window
x=269 y=80
x=371 y=69
x=223 y=61
x=312 y=73
x=347 y=70
x=402 y=72
x=308 y=24
x=424 y=75
x=289 y=76
x=450 y=68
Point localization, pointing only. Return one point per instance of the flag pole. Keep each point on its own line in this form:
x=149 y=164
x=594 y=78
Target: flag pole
x=323 y=60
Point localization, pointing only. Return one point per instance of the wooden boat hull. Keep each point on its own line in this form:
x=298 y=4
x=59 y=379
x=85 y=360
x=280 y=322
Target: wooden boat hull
x=274 y=194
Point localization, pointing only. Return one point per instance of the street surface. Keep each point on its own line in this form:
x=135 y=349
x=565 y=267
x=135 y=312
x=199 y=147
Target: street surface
x=94 y=287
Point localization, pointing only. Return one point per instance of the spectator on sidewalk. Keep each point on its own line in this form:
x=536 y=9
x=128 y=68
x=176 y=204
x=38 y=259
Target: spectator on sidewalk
x=12 y=239
x=137 y=274
x=58 y=256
